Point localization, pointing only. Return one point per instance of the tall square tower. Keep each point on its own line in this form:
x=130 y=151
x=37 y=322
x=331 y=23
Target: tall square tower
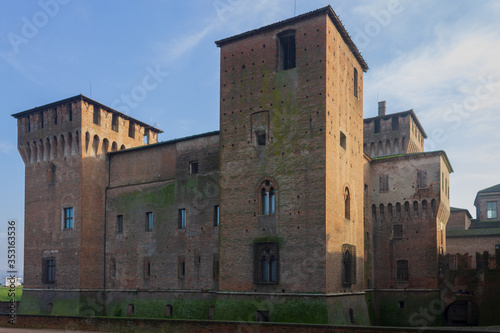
x=291 y=135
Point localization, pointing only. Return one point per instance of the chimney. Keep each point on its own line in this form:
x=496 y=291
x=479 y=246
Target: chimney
x=382 y=108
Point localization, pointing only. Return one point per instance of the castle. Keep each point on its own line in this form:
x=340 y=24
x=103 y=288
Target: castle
x=297 y=210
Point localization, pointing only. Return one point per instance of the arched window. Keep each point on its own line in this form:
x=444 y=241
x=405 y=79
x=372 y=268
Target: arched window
x=267 y=198
x=347 y=204
x=374 y=213
x=388 y=148
x=389 y=212
x=424 y=208
x=398 y=210
x=415 y=209
x=51 y=174
x=407 y=210
x=380 y=149
x=348 y=265
x=372 y=150
x=266 y=267
x=382 y=213
x=396 y=146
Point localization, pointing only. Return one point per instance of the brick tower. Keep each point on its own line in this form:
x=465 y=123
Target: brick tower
x=291 y=120
x=64 y=146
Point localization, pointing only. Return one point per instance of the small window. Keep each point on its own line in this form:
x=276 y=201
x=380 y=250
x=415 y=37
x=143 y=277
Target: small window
x=68 y=218
x=266 y=263
x=147 y=268
x=49 y=270
x=395 y=123
x=268 y=198
x=260 y=138
x=492 y=212
x=182 y=218
x=402 y=271
x=131 y=130
x=130 y=310
x=401 y=304
x=149 y=221
x=193 y=168
x=51 y=174
x=355 y=83
x=263 y=316
x=351 y=316
x=287 y=50
x=114 y=122
x=41 y=119
x=70 y=112
x=384 y=183
x=55 y=116
x=28 y=124
x=347 y=204
x=216 y=216
x=397 y=231
x=169 y=310
x=97 y=115
x=343 y=140
x=421 y=179
x=181 y=267
x=415 y=210
x=377 y=128
x=119 y=224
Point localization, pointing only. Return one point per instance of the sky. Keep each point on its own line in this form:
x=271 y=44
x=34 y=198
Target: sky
x=439 y=58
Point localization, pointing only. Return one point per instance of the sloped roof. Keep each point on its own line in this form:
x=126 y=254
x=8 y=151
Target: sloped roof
x=473 y=232
x=454 y=209
x=401 y=114
x=88 y=100
x=322 y=11
x=492 y=189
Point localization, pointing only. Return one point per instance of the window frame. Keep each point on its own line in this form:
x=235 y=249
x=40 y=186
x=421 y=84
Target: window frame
x=149 y=221
x=266 y=263
x=49 y=270
x=349 y=265
x=68 y=221
x=119 y=224
x=267 y=193
x=115 y=122
x=97 y=115
x=492 y=210
x=287 y=50
x=194 y=167
x=402 y=271
x=356 y=84
x=216 y=216
x=182 y=223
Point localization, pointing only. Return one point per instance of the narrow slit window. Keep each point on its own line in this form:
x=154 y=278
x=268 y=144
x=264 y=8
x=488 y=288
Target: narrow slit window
x=216 y=216
x=355 y=83
x=97 y=115
x=114 y=122
x=68 y=218
x=149 y=221
x=119 y=224
x=131 y=130
x=182 y=218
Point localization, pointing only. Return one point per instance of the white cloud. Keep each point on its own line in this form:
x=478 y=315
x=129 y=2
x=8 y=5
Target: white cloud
x=6 y=147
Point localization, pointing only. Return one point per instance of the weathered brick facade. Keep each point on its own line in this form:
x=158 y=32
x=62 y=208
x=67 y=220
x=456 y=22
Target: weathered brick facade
x=297 y=210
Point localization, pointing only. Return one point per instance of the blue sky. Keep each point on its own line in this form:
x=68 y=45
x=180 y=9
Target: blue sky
x=440 y=58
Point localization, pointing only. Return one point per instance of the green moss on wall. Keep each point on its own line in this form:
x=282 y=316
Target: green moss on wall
x=154 y=198
x=290 y=310
x=30 y=305
x=66 y=307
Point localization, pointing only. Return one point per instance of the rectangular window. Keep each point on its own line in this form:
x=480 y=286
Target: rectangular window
x=182 y=218
x=343 y=140
x=497 y=246
x=287 y=51
x=49 y=270
x=119 y=224
x=70 y=111
x=28 y=124
x=215 y=266
x=355 y=83
x=68 y=218
x=41 y=119
x=149 y=221
x=260 y=138
x=216 y=216
x=492 y=212
x=397 y=231
x=395 y=123
x=384 y=183
x=402 y=271
x=114 y=122
x=263 y=316
x=181 y=267
x=131 y=130
x=193 y=168
x=421 y=179
x=147 y=268
x=97 y=115
x=55 y=116
x=377 y=126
